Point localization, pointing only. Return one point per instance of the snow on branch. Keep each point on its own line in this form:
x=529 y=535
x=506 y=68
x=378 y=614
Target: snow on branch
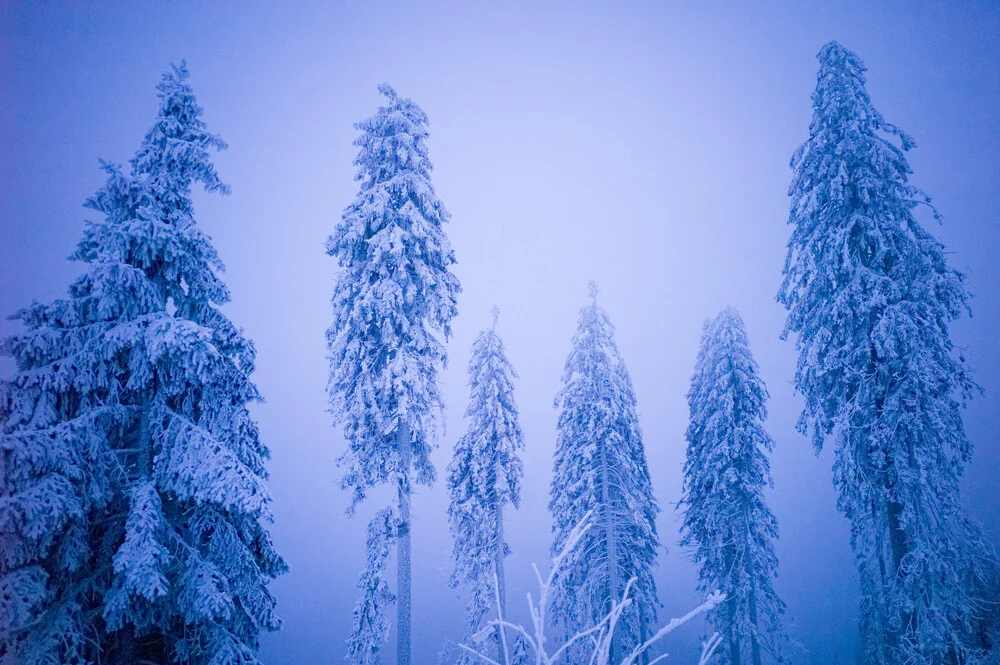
x=598 y=635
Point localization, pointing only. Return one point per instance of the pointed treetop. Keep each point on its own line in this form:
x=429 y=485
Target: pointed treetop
x=593 y=290
x=730 y=313
x=834 y=53
x=728 y=324
x=832 y=47
x=175 y=92
x=388 y=91
x=496 y=315
x=178 y=142
x=177 y=73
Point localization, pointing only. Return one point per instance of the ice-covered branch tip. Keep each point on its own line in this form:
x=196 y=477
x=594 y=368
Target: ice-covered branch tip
x=710 y=603
x=496 y=315
x=599 y=634
x=708 y=648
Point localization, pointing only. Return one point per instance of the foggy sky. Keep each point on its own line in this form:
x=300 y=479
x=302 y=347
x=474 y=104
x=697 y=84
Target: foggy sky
x=642 y=145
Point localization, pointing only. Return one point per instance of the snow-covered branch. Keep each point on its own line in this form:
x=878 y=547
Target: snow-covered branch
x=598 y=635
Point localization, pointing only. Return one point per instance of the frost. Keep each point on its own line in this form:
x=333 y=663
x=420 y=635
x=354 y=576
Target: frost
x=870 y=295
x=394 y=293
x=133 y=498
x=593 y=642
x=726 y=519
x=484 y=476
x=600 y=467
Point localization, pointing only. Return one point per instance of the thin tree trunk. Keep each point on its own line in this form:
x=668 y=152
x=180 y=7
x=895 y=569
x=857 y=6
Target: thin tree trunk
x=643 y=636
x=734 y=649
x=127 y=651
x=897 y=537
x=897 y=542
x=501 y=580
x=614 y=583
x=754 y=641
x=403 y=598
x=144 y=445
x=734 y=638
x=6 y=487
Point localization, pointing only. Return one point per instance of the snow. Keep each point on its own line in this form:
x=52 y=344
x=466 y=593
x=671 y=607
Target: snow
x=134 y=497
x=394 y=292
x=600 y=467
x=870 y=296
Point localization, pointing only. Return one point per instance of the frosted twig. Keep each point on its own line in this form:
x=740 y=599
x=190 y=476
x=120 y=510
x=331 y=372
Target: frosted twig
x=600 y=634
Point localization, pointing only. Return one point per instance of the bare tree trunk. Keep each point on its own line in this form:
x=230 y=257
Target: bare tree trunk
x=501 y=579
x=403 y=598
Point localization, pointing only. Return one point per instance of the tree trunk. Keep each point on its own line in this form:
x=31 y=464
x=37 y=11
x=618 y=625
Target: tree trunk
x=643 y=636
x=614 y=584
x=754 y=641
x=897 y=537
x=403 y=598
x=127 y=651
x=897 y=542
x=501 y=580
x=734 y=648
x=144 y=445
x=730 y=629
x=125 y=654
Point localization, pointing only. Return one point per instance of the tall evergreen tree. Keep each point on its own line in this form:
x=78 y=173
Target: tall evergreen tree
x=132 y=502
x=726 y=519
x=394 y=292
x=600 y=466
x=483 y=477
x=870 y=296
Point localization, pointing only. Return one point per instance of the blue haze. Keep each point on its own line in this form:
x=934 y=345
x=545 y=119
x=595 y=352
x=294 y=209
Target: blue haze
x=642 y=145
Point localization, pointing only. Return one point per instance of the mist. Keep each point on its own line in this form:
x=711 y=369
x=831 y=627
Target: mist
x=644 y=146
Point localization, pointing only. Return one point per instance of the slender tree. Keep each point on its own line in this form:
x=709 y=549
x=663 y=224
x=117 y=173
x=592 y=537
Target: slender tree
x=394 y=292
x=600 y=466
x=726 y=519
x=484 y=476
x=870 y=296
x=133 y=508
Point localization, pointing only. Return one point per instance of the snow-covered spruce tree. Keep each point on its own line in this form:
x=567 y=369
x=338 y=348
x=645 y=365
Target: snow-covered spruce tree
x=483 y=477
x=132 y=502
x=394 y=292
x=870 y=296
x=726 y=520
x=600 y=466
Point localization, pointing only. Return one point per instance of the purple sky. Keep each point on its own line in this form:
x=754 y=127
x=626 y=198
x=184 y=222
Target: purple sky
x=642 y=145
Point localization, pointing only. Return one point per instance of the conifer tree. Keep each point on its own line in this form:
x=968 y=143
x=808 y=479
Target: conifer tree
x=726 y=519
x=600 y=466
x=133 y=508
x=483 y=477
x=870 y=296
x=394 y=292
